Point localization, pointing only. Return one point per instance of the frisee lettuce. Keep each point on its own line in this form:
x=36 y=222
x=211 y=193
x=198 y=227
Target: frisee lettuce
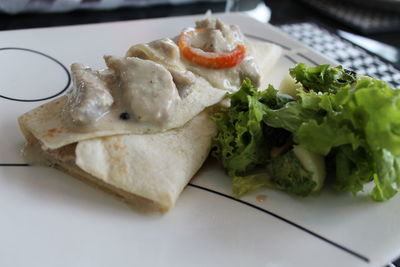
x=243 y=143
x=322 y=78
x=289 y=175
x=238 y=142
x=353 y=121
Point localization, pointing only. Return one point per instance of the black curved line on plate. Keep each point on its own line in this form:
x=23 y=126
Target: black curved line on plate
x=307 y=58
x=14 y=165
x=291 y=59
x=49 y=57
x=267 y=40
x=349 y=251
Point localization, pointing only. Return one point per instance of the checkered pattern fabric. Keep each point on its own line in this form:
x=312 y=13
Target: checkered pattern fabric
x=347 y=54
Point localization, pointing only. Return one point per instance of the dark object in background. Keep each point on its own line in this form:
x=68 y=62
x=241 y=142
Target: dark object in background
x=372 y=16
x=37 y=20
x=388 y=5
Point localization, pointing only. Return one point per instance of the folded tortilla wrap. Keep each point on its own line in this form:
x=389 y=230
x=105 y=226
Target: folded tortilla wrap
x=147 y=164
x=148 y=171
x=47 y=122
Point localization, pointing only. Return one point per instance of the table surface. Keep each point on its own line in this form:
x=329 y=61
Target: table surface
x=282 y=12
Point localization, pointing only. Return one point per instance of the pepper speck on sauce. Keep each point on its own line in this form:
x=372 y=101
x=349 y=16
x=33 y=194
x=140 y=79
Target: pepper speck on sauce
x=124 y=116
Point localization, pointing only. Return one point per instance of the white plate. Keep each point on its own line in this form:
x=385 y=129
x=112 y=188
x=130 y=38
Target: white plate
x=49 y=219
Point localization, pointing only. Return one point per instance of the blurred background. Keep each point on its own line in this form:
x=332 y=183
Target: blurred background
x=362 y=35
x=373 y=25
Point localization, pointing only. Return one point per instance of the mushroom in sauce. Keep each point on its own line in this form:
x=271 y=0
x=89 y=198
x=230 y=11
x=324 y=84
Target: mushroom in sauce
x=147 y=88
x=89 y=98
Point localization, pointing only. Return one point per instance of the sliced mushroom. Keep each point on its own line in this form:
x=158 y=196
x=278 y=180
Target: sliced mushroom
x=89 y=98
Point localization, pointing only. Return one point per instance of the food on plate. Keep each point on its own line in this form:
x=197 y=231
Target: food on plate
x=329 y=121
x=141 y=127
x=213 y=60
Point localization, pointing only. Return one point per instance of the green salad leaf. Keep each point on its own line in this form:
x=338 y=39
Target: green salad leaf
x=353 y=168
x=353 y=121
x=321 y=78
x=386 y=177
x=242 y=185
x=238 y=143
x=289 y=175
x=243 y=143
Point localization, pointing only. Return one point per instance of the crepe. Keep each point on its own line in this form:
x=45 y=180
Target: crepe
x=147 y=171
x=47 y=123
x=147 y=155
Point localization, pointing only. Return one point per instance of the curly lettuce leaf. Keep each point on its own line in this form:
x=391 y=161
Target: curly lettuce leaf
x=243 y=141
x=314 y=121
x=352 y=169
x=240 y=138
x=355 y=122
x=387 y=176
x=284 y=173
x=375 y=108
x=288 y=174
x=321 y=78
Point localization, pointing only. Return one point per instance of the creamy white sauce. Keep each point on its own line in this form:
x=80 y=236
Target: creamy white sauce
x=147 y=85
x=163 y=51
x=218 y=37
x=148 y=91
x=221 y=38
x=90 y=98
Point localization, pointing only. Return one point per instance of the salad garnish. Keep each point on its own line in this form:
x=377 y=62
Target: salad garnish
x=346 y=124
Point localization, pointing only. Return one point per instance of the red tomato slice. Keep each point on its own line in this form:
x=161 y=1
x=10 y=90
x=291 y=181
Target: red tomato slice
x=210 y=60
